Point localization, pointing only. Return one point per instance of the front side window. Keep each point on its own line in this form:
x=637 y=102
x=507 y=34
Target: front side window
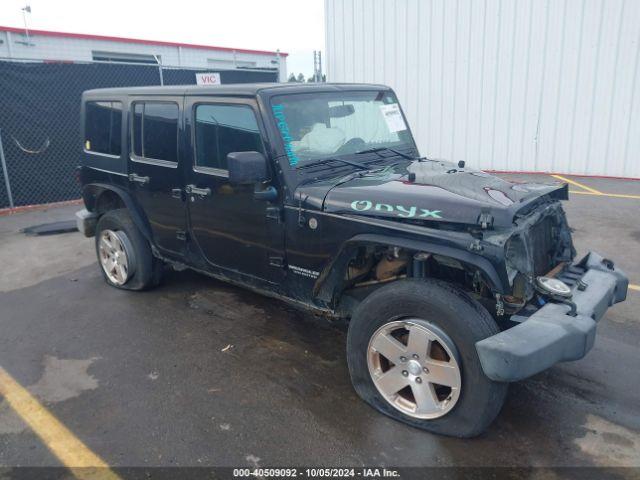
x=222 y=129
x=155 y=130
x=319 y=125
x=103 y=127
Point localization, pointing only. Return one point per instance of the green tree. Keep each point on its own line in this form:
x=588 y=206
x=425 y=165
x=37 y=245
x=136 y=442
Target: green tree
x=300 y=78
x=292 y=78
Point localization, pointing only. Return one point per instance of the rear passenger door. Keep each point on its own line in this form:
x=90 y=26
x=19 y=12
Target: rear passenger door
x=155 y=176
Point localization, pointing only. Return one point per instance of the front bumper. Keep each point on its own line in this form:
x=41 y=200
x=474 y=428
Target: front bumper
x=552 y=334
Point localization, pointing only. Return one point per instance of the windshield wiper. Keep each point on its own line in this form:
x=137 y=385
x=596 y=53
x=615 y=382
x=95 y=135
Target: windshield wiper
x=392 y=150
x=324 y=161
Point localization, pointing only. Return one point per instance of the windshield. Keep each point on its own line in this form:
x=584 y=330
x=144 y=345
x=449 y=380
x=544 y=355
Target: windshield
x=316 y=126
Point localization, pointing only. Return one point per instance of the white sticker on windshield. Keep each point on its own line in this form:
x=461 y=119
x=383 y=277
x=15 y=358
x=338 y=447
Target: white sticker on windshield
x=393 y=117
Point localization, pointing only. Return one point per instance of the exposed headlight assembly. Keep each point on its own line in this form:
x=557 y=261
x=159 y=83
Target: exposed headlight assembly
x=553 y=287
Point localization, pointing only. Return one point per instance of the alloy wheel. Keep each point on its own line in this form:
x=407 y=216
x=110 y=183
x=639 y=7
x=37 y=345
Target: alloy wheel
x=414 y=365
x=115 y=252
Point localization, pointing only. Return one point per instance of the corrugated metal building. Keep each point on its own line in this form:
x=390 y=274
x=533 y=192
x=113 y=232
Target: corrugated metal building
x=526 y=85
x=16 y=43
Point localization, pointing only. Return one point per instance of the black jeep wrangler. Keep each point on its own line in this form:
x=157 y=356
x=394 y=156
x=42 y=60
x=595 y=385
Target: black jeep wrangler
x=453 y=282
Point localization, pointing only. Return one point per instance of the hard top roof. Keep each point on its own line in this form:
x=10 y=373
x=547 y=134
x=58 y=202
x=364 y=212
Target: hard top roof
x=239 y=89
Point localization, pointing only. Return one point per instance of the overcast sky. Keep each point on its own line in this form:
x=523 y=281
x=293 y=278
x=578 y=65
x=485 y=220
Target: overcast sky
x=293 y=26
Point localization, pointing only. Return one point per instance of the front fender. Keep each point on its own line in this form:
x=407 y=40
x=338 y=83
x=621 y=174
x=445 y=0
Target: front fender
x=327 y=286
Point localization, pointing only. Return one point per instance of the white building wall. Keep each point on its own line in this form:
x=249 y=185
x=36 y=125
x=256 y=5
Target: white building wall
x=526 y=85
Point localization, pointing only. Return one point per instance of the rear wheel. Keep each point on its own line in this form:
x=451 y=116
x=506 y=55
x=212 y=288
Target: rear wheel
x=124 y=254
x=411 y=353
x=116 y=256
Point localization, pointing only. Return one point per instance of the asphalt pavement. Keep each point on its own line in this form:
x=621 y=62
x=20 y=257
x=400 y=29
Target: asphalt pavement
x=199 y=373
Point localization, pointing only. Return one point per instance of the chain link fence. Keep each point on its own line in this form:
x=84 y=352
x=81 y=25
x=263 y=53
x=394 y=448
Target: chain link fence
x=40 y=119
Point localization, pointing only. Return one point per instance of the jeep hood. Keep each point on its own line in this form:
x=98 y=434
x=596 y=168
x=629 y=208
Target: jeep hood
x=440 y=192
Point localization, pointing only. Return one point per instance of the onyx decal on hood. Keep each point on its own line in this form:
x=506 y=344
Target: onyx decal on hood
x=449 y=195
x=399 y=210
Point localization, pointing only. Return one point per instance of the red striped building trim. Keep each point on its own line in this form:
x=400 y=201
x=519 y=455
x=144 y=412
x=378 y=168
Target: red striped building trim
x=85 y=36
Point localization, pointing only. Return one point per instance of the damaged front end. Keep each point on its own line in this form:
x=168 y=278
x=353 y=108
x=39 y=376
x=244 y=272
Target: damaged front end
x=539 y=244
x=555 y=303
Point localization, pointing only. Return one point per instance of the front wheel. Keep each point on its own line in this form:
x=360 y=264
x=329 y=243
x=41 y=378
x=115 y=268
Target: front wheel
x=411 y=354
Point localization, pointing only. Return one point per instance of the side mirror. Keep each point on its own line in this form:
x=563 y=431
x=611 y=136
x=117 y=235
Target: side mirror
x=247 y=167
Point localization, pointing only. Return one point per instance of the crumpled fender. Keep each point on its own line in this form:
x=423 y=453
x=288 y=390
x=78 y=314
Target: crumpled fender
x=330 y=278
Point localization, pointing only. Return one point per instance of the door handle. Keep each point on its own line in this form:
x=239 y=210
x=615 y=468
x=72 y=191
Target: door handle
x=138 y=179
x=269 y=194
x=193 y=190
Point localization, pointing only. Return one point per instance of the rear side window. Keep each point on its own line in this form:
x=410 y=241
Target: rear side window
x=222 y=129
x=155 y=130
x=103 y=127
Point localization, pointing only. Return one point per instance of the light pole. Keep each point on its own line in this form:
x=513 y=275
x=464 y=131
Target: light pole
x=26 y=9
x=317 y=66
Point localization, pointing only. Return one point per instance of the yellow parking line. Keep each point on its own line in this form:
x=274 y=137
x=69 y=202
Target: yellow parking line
x=634 y=287
x=613 y=195
x=73 y=454
x=577 y=184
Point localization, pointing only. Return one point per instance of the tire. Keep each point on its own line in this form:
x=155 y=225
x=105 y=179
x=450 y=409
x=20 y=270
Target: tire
x=429 y=309
x=128 y=246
